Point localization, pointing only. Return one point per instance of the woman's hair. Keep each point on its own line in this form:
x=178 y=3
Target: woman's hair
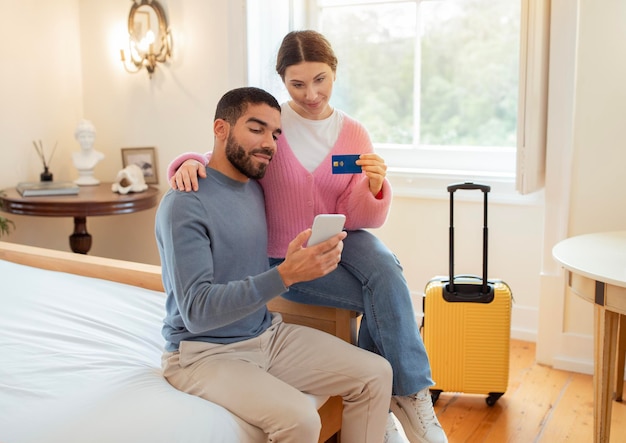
x=84 y=126
x=304 y=46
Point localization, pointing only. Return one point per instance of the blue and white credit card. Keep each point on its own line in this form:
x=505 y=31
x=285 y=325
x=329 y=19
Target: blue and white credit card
x=346 y=164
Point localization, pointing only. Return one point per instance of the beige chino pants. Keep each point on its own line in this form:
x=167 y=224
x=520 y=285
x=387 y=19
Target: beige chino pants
x=261 y=380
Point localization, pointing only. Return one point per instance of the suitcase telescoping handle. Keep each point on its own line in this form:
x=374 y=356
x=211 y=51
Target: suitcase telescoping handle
x=469 y=186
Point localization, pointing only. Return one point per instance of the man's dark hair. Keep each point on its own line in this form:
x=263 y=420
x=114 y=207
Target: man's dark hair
x=234 y=103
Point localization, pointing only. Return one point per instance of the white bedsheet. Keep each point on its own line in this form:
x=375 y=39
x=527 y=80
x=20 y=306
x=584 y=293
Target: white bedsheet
x=80 y=362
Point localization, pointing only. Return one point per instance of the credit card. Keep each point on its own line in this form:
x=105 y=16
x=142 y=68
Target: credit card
x=346 y=164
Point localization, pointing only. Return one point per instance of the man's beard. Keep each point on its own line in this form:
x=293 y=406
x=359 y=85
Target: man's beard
x=242 y=160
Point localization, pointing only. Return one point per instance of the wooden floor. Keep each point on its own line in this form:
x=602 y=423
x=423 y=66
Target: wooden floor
x=541 y=405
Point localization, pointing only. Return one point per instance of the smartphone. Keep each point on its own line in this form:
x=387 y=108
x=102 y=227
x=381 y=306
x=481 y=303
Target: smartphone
x=325 y=226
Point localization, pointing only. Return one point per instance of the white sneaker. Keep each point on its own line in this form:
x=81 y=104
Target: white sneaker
x=392 y=434
x=417 y=417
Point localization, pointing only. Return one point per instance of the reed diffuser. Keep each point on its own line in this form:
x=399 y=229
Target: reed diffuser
x=46 y=175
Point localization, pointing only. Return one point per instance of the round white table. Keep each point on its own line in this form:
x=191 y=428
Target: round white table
x=596 y=265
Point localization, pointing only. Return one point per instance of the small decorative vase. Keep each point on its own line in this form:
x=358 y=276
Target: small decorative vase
x=45 y=176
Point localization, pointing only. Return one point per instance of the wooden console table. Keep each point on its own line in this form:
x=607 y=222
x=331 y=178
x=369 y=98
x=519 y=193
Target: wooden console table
x=90 y=201
x=596 y=265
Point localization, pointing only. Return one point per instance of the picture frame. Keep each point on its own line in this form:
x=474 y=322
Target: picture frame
x=146 y=159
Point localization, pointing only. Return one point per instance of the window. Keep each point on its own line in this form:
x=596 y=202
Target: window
x=435 y=82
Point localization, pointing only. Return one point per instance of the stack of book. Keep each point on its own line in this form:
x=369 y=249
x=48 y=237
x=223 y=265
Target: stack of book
x=33 y=189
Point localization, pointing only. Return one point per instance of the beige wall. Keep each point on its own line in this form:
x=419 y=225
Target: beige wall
x=63 y=65
x=598 y=174
x=417 y=231
x=598 y=178
x=172 y=112
x=41 y=99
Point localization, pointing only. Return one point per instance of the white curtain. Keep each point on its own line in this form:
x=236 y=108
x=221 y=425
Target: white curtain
x=533 y=96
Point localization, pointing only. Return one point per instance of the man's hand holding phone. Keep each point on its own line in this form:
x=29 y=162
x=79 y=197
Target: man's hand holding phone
x=325 y=226
x=316 y=260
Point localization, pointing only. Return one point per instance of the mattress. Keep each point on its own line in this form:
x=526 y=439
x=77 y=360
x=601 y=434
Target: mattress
x=80 y=362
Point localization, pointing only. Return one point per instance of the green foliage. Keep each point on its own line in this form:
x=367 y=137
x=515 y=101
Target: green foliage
x=5 y=224
x=469 y=77
x=466 y=75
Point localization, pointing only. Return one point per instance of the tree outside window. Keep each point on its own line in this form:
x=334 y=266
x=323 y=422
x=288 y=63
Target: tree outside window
x=429 y=72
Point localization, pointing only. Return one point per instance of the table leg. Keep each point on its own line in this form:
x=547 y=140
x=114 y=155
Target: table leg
x=80 y=240
x=606 y=323
x=621 y=358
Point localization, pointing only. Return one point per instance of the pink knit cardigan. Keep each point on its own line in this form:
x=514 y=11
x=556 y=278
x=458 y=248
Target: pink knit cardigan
x=294 y=196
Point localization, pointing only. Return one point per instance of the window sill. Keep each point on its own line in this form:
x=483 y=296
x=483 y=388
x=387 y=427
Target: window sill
x=432 y=184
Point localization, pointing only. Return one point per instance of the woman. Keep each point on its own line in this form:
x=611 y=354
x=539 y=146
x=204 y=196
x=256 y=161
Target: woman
x=299 y=184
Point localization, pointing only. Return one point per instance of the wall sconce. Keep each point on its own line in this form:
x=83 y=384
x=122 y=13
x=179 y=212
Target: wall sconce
x=149 y=38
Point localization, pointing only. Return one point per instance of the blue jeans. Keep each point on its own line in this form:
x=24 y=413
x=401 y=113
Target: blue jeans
x=369 y=279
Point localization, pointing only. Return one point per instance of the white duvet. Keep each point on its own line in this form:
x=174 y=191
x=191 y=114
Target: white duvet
x=80 y=362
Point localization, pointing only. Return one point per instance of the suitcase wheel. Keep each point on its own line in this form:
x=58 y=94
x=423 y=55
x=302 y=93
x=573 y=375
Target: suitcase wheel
x=493 y=397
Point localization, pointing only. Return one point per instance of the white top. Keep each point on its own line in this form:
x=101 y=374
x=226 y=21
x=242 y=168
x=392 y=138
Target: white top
x=310 y=140
x=600 y=256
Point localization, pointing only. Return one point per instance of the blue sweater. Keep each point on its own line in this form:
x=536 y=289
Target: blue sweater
x=213 y=249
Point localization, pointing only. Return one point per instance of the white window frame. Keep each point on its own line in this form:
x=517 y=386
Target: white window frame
x=422 y=172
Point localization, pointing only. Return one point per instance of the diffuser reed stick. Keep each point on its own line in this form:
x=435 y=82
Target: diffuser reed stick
x=45 y=175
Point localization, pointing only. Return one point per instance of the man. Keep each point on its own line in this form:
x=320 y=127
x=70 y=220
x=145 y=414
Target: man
x=222 y=343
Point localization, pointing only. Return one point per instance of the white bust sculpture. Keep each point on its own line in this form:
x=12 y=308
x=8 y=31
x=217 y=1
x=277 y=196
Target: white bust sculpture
x=87 y=158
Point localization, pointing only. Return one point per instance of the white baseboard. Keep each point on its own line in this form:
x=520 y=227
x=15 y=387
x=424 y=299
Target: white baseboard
x=566 y=363
x=575 y=353
x=524 y=334
x=524 y=323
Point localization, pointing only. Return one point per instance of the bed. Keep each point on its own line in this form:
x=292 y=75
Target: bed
x=80 y=351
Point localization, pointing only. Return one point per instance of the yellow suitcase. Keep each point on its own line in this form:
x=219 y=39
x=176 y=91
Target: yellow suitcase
x=467 y=325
